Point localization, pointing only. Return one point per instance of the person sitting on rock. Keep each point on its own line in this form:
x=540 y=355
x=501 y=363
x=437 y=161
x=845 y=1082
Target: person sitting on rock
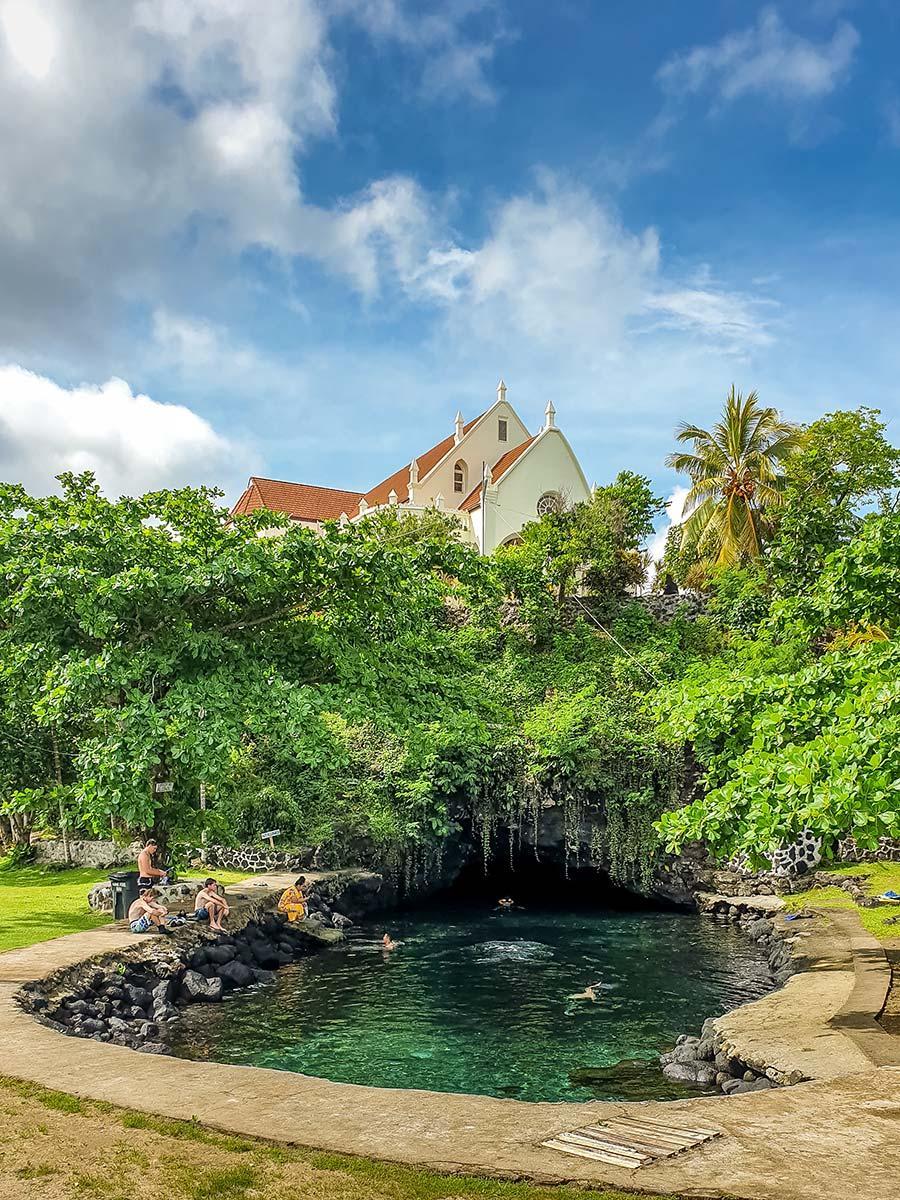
x=147 y=872
x=293 y=901
x=147 y=913
x=210 y=905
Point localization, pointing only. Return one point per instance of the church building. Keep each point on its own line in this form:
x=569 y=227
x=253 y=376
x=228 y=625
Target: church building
x=490 y=472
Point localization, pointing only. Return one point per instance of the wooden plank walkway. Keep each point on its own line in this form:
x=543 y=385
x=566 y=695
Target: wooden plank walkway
x=630 y=1141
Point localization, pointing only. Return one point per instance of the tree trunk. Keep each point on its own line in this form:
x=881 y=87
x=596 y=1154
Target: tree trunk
x=203 y=834
x=63 y=824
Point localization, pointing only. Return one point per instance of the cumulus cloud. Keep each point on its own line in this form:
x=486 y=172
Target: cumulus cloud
x=131 y=442
x=167 y=137
x=767 y=58
x=559 y=266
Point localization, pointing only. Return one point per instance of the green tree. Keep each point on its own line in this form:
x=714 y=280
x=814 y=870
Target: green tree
x=157 y=637
x=597 y=540
x=736 y=473
x=797 y=726
x=844 y=467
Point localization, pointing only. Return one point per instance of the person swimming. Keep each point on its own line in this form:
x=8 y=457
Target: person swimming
x=388 y=943
x=589 y=993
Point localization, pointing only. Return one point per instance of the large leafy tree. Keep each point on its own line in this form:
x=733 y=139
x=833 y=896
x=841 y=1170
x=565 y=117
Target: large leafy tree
x=798 y=724
x=844 y=467
x=736 y=472
x=146 y=642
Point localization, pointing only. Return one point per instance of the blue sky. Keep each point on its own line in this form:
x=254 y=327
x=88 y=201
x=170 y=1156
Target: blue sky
x=292 y=238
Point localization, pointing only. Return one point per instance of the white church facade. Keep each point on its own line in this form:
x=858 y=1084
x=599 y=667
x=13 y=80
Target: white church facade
x=491 y=473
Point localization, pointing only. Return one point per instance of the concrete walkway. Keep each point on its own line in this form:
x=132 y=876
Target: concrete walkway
x=825 y=1139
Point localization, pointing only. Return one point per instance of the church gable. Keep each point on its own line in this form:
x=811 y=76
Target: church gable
x=490 y=470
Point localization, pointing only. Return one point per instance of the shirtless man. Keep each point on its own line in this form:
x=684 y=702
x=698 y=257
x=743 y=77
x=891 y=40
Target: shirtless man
x=210 y=904
x=388 y=943
x=146 y=870
x=147 y=913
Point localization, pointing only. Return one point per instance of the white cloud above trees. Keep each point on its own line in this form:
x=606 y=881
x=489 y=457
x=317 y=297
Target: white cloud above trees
x=131 y=442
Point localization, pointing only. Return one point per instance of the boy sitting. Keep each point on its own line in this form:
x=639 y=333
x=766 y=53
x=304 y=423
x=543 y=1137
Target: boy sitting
x=210 y=905
x=147 y=913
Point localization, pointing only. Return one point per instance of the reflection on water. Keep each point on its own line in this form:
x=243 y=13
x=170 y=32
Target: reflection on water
x=479 y=1001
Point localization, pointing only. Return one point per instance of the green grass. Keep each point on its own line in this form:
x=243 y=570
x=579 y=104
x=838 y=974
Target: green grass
x=878 y=877
x=234 y=1167
x=37 y=903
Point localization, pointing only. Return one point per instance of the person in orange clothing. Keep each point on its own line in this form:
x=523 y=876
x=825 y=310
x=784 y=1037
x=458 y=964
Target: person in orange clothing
x=293 y=902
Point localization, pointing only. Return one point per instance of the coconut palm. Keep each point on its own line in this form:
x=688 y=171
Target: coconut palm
x=736 y=476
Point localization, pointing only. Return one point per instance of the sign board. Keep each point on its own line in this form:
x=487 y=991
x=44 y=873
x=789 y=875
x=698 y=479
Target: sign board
x=164 y=786
x=271 y=833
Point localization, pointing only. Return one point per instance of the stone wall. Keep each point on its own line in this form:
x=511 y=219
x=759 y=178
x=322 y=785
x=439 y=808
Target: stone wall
x=664 y=607
x=888 y=850
x=175 y=896
x=253 y=858
x=83 y=853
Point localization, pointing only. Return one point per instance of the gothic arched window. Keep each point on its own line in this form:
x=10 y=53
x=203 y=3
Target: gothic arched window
x=459 y=476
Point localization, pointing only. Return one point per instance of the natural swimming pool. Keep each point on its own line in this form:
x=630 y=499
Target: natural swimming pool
x=475 y=1000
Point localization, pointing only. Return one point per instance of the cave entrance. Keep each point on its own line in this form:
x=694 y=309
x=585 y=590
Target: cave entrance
x=541 y=882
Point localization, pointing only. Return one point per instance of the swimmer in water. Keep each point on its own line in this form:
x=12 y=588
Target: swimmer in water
x=388 y=943
x=506 y=902
x=589 y=993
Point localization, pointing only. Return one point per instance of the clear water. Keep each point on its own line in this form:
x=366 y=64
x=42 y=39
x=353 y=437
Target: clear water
x=475 y=1000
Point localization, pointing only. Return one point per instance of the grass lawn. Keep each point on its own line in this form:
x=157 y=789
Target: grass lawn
x=879 y=877
x=37 y=903
x=74 y=1149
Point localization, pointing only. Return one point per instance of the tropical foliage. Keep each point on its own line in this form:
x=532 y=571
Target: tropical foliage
x=380 y=686
x=736 y=473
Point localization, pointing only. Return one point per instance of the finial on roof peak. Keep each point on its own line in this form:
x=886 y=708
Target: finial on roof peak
x=549 y=416
x=458 y=428
x=501 y=390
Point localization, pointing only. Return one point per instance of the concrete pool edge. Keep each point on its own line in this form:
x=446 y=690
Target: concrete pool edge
x=478 y=1134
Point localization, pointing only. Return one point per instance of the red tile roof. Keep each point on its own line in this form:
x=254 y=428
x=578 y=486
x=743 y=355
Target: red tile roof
x=473 y=500
x=303 y=501
x=306 y=502
x=500 y=467
x=399 y=481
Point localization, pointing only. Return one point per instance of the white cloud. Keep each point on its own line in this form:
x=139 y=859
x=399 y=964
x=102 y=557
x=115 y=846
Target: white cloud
x=674 y=514
x=768 y=59
x=559 y=267
x=455 y=60
x=166 y=137
x=729 y=316
x=131 y=442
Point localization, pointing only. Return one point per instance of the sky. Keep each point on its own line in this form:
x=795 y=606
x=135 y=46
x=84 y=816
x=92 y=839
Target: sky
x=292 y=237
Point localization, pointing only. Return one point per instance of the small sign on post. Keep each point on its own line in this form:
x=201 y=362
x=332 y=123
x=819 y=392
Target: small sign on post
x=270 y=835
x=164 y=785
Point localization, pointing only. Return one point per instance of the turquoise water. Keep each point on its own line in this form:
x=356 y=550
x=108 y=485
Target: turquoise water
x=474 y=1000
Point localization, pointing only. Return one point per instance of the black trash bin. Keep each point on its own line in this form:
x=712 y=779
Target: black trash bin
x=124 y=892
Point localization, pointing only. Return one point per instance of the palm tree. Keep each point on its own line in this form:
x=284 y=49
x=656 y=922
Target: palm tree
x=736 y=476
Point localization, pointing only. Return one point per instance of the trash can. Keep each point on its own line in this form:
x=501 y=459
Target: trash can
x=124 y=891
